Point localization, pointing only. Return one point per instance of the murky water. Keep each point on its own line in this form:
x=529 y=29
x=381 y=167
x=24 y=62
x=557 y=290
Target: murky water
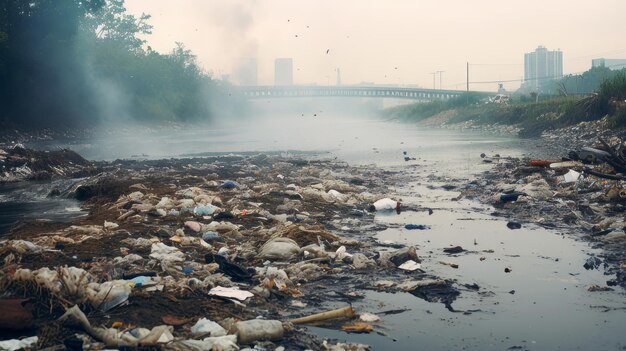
x=550 y=307
x=542 y=304
x=24 y=202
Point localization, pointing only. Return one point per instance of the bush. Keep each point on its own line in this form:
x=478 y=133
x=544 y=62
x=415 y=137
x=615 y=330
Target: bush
x=618 y=119
x=421 y=110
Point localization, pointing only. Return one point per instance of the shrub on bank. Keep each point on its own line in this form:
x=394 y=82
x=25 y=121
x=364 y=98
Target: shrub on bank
x=533 y=117
x=618 y=119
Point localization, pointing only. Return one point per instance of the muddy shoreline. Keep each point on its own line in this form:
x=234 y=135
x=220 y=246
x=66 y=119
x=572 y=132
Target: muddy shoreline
x=590 y=209
x=198 y=210
x=324 y=206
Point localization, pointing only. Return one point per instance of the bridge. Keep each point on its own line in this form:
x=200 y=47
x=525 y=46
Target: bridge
x=360 y=91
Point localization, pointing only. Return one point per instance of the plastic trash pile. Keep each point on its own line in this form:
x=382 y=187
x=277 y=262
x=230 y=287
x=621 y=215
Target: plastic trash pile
x=217 y=253
x=585 y=189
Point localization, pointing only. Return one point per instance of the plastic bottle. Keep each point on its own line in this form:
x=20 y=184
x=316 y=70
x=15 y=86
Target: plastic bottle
x=258 y=329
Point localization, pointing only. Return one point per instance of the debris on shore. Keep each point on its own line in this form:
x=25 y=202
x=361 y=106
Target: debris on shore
x=18 y=163
x=584 y=189
x=208 y=253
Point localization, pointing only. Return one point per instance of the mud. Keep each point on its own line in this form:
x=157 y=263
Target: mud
x=322 y=205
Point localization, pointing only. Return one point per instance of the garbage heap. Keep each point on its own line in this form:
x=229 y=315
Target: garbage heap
x=216 y=253
x=583 y=192
x=18 y=163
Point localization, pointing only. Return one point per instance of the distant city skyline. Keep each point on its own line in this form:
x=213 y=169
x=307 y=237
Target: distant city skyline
x=283 y=71
x=609 y=63
x=541 y=66
x=399 y=42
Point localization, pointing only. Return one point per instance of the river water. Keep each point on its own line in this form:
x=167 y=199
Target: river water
x=543 y=304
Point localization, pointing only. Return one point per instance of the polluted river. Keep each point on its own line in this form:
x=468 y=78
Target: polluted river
x=523 y=288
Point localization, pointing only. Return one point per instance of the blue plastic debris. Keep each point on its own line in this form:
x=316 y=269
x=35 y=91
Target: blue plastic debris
x=229 y=185
x=140 y=280
x=416 y=226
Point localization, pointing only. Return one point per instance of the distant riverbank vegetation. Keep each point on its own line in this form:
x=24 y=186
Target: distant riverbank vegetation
x=77 y=63
x=604 y=95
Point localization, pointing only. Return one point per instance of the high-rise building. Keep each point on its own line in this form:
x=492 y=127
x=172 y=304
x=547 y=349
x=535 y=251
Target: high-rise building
x=541 y=67
x=283 y=71
x=246 y=73
x=609 y=63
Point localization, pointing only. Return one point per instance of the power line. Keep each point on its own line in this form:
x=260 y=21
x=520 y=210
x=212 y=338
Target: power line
x=496 y=64
x=567 y=59
x=531 y=79
x=598 y=54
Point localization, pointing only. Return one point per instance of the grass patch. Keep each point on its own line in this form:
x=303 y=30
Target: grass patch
x=532 y=117
x=420 y=111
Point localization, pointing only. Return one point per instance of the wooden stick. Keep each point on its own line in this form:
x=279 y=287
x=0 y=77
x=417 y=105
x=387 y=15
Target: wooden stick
x=345 y=312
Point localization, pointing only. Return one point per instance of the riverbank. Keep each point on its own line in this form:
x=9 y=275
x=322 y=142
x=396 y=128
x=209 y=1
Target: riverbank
x=589 y=206
x=464 y=251
x=168 y=242
x=526 y=115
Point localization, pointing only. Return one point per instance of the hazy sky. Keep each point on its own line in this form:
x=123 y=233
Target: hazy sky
x=388 y=41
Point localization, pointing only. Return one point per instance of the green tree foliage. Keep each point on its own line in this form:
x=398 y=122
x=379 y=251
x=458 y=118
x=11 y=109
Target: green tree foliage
x=78 y=62
x=113 y=24
x=420 y=110
x=534 y=117
x=37 y=86
x=585 y=83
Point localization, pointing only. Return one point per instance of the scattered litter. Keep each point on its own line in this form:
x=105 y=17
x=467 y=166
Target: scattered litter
x=368 y=317
x=174 y=320
x=258 y=329
x=279 y=249
x=231 y=293
x=386 y=204
x=205 y=327
x=511 y=196
x=571 y=176
x=15 y=344
x=357 y=327
x=513 y=225
x=410 y=266
x=345 y=312
x=229 y=185
x=416 y=226
x=453 y=265
x=453 y=250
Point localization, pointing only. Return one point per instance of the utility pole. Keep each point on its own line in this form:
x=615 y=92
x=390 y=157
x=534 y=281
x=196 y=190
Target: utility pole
x=467 y=82
x=467 y=76
x=434 y=82
x=440 y=74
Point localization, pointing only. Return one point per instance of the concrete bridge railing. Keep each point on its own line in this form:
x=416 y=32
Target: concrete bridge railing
x=293 y=91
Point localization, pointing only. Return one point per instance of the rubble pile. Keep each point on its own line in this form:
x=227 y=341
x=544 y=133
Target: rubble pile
x=578 y=135
x=220 y=253
x=582 y=192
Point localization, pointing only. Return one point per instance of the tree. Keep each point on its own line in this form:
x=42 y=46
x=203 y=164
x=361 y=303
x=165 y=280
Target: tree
x=64 y=63
x=112 y=23
x=36 y=80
